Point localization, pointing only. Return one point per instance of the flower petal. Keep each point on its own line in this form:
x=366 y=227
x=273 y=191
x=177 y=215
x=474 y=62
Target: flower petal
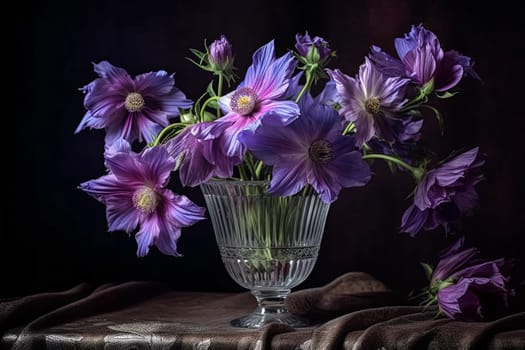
x=287 y=181
x=99 y=188
x=167 y=242
x=181 y=211
x=157 y=165
x=120 y=212
x=147 y=235
x=173 y=101
x=262 y=61
x=287 y=110
x=413 y=220
x=449 y=73
x=153 y=84
x=108 y=71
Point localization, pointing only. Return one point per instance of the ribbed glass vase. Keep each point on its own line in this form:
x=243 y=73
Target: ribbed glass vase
x=268 y=244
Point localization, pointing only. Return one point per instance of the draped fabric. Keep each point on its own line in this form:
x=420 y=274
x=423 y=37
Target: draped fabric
x=355 y=311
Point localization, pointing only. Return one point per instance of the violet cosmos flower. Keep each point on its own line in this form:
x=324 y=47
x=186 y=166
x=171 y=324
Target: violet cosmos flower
x=444 y=194
x=263 y=89
x=470 y=288
x=136 y=196
x=303 y=44
x=371 y=101
x=422 y=59
x=130 y=108
x=310 y=150
x=200 y=152
x=221 y=56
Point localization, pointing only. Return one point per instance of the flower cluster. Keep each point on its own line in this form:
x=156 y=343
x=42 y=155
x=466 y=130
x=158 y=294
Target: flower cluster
x=270 y=126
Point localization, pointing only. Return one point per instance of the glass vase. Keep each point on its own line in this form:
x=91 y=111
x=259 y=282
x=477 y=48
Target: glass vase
x=268 y=244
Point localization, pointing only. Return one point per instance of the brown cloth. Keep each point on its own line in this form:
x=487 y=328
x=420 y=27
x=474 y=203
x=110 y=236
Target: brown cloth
x=355 y=311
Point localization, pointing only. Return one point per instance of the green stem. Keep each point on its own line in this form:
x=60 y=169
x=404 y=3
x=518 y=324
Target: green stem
x=166 y=131
x=219 y=93
x=250 y=164
x=417 y=173
x=422 y=98
x=242 y=172
x=258 y=169
x=204 y=105
x=219 y=85
x=414 y=103
x=306 y=190
x=349 y=128
x=306 y=86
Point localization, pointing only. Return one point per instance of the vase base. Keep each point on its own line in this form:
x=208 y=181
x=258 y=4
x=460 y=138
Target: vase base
x=257 y=320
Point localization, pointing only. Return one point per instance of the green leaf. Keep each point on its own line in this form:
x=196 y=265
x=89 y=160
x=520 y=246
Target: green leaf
x=414 y=113
x=446 y=94
x=427 y=88
x=208 y=117
x=197 y=106
x=199 y=65
x=200 y=55
x=428 y=270
x=302 y=60
x=210 y=89
x=438 y=116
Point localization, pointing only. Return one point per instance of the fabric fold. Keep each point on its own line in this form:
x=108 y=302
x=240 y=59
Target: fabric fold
x=20 y=311
x=353 y=312
x=349 y=292
x=105 y=298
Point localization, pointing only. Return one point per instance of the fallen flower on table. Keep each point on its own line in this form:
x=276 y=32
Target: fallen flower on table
x=467 y=287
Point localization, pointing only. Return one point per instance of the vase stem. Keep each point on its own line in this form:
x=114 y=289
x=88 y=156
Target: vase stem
x=270 y=309
x=271 y=301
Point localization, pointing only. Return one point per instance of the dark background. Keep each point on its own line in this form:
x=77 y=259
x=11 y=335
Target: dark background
x=57 y=235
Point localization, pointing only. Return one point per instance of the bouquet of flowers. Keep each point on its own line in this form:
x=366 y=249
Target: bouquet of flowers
x=291 y=120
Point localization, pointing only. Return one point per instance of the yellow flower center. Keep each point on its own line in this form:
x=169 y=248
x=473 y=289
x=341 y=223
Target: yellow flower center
x=372 y=105
x=145 y=199
x=321 y=152
x=243 y=101
x=134 y=102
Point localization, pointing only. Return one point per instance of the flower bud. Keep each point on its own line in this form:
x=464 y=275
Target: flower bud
x=316 y=48
x=187 y=117
x=221 y=57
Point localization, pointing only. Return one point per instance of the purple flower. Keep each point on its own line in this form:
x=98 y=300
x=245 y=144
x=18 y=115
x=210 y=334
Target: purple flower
x=200 y=151
x=221 y=57
x=422 y=59
x=470 y=288
x=310 y=150
x=453 y=259
x=135 y=197
x=444 y=194
x=370 y=100
x=303 y=44
x=130 y=108
x=263 y=89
